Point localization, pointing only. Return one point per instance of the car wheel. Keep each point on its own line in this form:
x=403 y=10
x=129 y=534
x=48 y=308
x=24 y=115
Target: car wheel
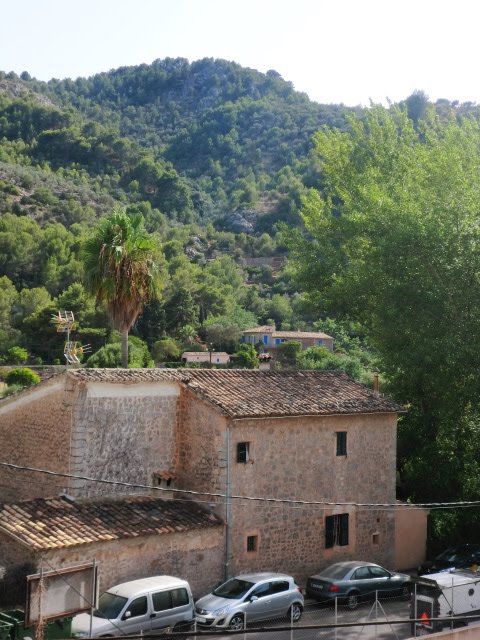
x=352 y=601
x=406 y=592
x=295 y=612
x=236 y=623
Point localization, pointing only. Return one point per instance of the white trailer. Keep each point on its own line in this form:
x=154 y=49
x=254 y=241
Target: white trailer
x=454 y=595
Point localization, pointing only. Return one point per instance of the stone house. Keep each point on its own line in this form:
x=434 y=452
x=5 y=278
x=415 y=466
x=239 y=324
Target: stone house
x=270 y=339
x=293 y=462
x=135 y=536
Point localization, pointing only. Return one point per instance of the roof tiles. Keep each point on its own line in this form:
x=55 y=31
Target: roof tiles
x=59 y=523
x=246 y=393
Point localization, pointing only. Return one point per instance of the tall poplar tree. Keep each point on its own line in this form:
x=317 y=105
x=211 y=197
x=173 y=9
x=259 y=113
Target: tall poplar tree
x=393 y=240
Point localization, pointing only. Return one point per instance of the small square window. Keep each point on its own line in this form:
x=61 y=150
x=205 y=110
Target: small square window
x=252 y=542
x=376 y=538
x=341 y=443
x=243 y=451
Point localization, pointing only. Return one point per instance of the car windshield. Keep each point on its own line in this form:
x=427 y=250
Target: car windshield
x=335 y=572
x=109 y=606
x=451 y=555
x=233 y=589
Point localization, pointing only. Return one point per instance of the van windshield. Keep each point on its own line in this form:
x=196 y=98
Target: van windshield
x=233 y=589
x=109 y=606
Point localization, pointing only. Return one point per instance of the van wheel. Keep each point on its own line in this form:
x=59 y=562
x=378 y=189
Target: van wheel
x=236 y=623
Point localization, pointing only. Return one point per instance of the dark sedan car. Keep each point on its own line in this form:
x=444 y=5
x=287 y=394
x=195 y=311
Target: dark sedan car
x=460 y=557
x=356 y=580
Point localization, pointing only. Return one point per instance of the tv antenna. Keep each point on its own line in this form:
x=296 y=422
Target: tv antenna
x=65 y=323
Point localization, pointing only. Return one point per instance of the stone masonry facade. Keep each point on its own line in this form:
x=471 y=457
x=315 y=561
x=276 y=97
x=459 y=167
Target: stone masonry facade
x=35 y=432
x=122 y=432
x=176 y=554
x=130 y=429
x=295 y=459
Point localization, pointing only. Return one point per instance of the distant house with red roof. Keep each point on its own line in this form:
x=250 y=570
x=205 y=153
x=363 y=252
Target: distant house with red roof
x=270 y=339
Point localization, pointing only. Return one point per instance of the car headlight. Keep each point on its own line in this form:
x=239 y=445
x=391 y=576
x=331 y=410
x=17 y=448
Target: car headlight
x=221 y=612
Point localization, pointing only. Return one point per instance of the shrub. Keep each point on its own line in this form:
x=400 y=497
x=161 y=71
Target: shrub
x=16 y=355
x=22 y=376
x=8 y=391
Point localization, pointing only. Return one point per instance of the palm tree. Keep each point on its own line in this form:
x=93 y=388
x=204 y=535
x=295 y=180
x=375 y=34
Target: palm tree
x=121 y=270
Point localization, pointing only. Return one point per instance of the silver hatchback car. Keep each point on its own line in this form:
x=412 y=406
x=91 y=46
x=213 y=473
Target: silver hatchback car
x=250 y=597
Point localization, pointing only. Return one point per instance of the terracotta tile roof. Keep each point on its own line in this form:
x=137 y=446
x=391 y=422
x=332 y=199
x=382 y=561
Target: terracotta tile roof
x=287 y=334
x=243 y=393
x=57 y=523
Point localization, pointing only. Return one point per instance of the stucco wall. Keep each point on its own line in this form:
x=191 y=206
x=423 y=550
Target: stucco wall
x=296 y=459
x=124 y=433
x=410 y=537
x=34 y=432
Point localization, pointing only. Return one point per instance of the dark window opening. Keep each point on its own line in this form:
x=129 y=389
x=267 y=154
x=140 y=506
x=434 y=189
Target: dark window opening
x=242 y=452
x=336 y=530
x=251 y=543
x=341 y=443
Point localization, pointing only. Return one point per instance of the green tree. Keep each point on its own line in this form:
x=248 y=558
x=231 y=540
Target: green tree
x=111 y=355
x=121 y=270
x=16 y=355
x=287 y=354
x=392 y=240
x=180 y=310
x=166 y=349
x=246 y=357
x=8 y=296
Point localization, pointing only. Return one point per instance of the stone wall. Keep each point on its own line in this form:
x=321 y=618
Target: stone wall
x=202 y=448
x=196 y=556
x=295 y=459
x=34 y=432
x=124 y=433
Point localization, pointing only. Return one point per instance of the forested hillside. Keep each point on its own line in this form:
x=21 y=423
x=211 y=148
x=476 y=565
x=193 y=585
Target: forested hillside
x=213 y=156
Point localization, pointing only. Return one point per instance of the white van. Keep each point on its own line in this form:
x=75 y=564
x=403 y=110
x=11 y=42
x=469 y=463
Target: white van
x=445 y=599
x=144 y=605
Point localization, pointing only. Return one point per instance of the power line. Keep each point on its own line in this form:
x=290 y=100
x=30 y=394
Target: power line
x=279 y=501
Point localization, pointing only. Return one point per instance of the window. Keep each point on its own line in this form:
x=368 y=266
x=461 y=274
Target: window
x=379 y=572
x=319 y=343
x=262 y=590
x=138 y=607
x=179 y=597
x=265 y=339
x=341 y=443
x=161 y=601
x=252 y=543
x=363 y=573
x=336 y=530
x=243 y=451
x=279 y=586
x=277 y=341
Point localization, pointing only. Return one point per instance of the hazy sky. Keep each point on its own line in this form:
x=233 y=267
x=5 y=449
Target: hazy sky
x=346 y=51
